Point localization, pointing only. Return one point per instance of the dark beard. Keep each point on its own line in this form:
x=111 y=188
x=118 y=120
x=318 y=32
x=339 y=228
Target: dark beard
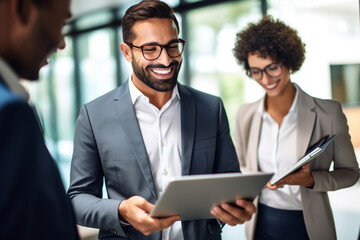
x=162 y=85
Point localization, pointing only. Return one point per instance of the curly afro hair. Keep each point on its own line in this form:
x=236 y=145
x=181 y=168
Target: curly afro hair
x=270 y=38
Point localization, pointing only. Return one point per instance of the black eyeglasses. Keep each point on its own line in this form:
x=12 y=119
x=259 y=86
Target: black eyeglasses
x=272 y=70
x=153 y=51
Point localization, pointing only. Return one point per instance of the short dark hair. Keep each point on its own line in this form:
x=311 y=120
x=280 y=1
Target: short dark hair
x=42 y=3
x=38 y=3
x=144 y=10
x=270 y=38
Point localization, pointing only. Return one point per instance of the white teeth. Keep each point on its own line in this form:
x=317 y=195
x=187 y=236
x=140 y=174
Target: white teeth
x=165 y=71
x=271 y=86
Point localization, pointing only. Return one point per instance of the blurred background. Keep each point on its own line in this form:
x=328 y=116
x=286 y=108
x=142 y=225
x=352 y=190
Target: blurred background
x=92 y=65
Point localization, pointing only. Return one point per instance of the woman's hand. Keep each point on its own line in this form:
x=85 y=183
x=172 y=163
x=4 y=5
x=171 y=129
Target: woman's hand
x=302 y=177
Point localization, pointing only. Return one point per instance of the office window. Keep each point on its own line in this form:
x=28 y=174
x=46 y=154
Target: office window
x=345 y=83
x=193 y=1
x=330 y=30
x=213 y=68
x=64 y=108
x=54 y=98
x=172 y=3
x=97 y=64
x=94 y=19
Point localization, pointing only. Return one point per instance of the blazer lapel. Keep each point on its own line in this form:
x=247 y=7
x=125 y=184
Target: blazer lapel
x=254 y=140
x=188 y=121
x=2 y=81
x=130 y=125
x=306 y=121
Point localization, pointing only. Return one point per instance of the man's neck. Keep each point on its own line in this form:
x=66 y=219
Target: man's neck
x=156 y=98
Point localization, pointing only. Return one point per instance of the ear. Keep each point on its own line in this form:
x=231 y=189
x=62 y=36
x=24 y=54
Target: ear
x=126 y=51
x=23 y=10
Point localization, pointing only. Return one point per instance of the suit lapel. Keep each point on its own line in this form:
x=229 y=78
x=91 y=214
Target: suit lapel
x=130 y=126
x=306 y=121
x=254 y=140
x=2 y=81
x=188 y=121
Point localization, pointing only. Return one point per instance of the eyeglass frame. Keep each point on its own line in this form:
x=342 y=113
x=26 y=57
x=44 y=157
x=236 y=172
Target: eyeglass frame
x=141 y=47
x=248 y=72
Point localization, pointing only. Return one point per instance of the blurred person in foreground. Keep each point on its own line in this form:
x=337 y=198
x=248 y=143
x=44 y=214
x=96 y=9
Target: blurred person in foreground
x=139 y=136
x=274 y=132
x=33 y=202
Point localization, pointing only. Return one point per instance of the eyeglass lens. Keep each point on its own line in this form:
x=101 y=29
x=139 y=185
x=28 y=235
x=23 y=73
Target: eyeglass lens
x=152 y=52
x=273 y=70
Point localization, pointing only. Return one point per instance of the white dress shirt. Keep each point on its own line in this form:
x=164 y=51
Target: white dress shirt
x=161 y=132
x=12 y=80
x=276 y=153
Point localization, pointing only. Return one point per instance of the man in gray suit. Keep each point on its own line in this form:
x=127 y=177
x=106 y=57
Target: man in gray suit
x=151 y=129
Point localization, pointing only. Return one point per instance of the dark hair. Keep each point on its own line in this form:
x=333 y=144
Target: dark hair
x=144 y=10
x=38 y=3
x=270 y=38
x=42 y=3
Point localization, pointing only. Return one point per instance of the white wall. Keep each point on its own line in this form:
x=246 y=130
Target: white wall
x=330 y=29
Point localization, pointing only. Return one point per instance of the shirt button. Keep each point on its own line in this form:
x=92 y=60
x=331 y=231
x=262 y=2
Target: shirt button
x=162 y=144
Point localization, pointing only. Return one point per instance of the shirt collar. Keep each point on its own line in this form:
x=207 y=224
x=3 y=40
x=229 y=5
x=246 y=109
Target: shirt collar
x=293 y=108
x=12 y=80
x=136 y=94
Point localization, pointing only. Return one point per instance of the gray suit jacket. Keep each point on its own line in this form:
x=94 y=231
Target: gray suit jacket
x=316 y=118
x=108 y=145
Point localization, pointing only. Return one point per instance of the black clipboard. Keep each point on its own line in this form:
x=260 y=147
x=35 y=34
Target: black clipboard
x=312 y=152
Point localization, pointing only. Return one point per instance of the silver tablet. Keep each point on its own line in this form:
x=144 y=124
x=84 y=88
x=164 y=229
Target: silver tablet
x=191 y=197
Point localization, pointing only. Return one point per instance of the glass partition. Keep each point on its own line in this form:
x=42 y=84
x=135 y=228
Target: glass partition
x=97 y=64
x=54 y=98
x=213 y=68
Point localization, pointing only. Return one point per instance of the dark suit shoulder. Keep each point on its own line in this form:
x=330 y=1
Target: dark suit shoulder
x=7 y=97
x=14 y=110
x=199 y=95
x=15 y=113
x=29 y=179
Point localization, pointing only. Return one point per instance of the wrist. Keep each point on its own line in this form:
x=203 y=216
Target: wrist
x=310 y=182
x=121 y=211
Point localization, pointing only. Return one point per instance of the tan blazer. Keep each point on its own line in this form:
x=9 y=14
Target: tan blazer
x=316 y=118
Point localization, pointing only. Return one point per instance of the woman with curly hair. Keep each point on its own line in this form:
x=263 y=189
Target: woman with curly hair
x=274 y=132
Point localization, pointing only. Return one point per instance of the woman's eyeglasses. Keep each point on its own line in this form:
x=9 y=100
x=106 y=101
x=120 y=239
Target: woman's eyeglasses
x=272 y=70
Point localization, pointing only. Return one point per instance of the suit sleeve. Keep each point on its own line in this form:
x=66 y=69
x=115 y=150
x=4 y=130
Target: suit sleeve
x=86 y=182
x=226 y=159
x=33 y=202
x=345 y=172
